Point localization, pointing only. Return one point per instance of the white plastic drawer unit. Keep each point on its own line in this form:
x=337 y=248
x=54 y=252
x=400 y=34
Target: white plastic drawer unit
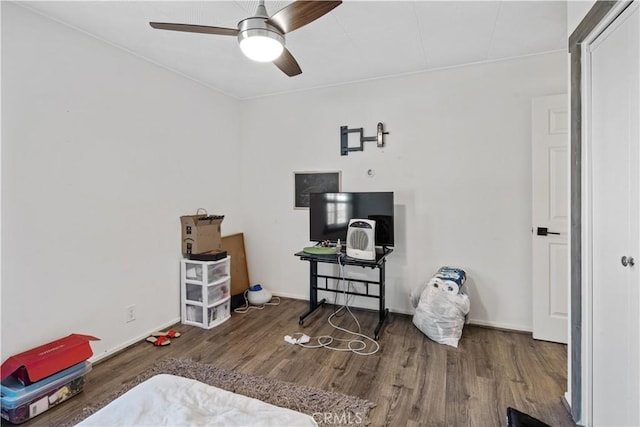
x=218 y=291
x=205 y=289
x=206 y=271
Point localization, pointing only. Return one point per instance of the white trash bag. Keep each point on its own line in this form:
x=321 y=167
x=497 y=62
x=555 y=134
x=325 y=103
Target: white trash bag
x=441 y=309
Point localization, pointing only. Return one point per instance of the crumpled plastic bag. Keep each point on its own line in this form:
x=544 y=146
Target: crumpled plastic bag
x=440 y=315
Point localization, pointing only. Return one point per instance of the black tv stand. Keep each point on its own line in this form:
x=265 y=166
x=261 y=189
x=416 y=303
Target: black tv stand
x=379 y=263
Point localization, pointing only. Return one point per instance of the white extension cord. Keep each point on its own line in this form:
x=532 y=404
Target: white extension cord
x=354 y=345
x=247 y=306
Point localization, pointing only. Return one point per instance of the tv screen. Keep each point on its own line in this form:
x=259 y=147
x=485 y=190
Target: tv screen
x=329 y=215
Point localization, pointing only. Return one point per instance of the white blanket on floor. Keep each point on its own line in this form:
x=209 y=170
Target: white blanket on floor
x=168 y=400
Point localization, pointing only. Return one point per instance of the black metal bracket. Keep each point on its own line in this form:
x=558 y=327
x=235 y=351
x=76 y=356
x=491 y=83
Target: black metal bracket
x=344 y=138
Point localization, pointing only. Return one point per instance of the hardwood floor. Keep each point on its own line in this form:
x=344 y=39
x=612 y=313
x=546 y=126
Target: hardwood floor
x=413 y=381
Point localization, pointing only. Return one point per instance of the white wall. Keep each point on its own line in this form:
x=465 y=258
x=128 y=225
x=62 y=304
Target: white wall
x=101 y=154
x=457 y=157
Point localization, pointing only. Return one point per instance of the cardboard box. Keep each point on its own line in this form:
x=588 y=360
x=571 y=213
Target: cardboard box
x=40 y=362
x=201 y=233
x=234 y=245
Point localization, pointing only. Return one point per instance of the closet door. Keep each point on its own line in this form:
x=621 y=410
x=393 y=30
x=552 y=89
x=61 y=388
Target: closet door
x=615 y=187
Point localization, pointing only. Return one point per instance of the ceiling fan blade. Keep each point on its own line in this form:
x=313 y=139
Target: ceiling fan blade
x=301 y=13
x=195 y=28
x=288 y=64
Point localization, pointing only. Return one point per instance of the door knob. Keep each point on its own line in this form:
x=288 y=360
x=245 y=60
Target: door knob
x=627 y=261
x=543 y=231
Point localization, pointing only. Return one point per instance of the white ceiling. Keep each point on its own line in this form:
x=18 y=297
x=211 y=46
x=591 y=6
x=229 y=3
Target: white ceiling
x=356 y=41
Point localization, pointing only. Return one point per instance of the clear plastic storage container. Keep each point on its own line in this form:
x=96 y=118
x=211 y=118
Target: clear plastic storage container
x=205 y=292
x=21 y=403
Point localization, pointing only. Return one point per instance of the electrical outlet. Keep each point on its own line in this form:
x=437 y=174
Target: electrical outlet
x=131 y=313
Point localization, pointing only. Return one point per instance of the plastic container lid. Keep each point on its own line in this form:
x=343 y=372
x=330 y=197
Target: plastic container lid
x=15 y=394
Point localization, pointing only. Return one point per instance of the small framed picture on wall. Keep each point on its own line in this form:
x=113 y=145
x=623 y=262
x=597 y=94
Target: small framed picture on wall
x=305 y=183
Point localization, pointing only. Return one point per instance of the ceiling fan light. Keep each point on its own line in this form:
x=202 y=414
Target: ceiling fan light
x=261 y=45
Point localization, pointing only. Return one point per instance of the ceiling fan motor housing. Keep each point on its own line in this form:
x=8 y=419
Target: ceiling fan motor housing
x=258 y=26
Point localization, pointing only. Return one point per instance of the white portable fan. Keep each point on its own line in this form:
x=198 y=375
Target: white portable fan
x=361 y=239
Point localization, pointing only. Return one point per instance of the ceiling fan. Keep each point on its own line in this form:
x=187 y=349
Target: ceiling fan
x=261 y=37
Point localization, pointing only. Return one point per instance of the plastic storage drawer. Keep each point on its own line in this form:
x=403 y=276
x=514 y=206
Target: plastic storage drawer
x=21 y=403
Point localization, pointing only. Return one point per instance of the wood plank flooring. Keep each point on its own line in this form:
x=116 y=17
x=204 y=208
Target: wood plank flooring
x=413 y=381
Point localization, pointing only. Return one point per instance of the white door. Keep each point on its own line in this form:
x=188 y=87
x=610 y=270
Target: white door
x=550 y=180
x=615 y=93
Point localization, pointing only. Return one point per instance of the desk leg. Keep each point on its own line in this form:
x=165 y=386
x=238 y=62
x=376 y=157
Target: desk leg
x=382 y=310
x=313 y=291
x=383 y=316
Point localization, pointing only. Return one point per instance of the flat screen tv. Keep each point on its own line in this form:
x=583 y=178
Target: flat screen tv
x=329 y=215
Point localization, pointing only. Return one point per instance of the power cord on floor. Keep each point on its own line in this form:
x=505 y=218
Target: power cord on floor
x=354 y=345
x=247 y=306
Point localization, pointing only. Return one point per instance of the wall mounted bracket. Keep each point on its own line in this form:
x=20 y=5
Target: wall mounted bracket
x=344 y=138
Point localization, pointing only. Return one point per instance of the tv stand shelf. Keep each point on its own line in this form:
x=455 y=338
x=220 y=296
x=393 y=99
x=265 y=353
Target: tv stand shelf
x=379 y=263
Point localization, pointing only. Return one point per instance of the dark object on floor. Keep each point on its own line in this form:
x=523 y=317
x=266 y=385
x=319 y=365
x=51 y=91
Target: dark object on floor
x=516 y=418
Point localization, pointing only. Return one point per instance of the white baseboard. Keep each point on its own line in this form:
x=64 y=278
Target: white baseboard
x=292 y=296
x=306 y=298
x=500 y=325
x=132 y=341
